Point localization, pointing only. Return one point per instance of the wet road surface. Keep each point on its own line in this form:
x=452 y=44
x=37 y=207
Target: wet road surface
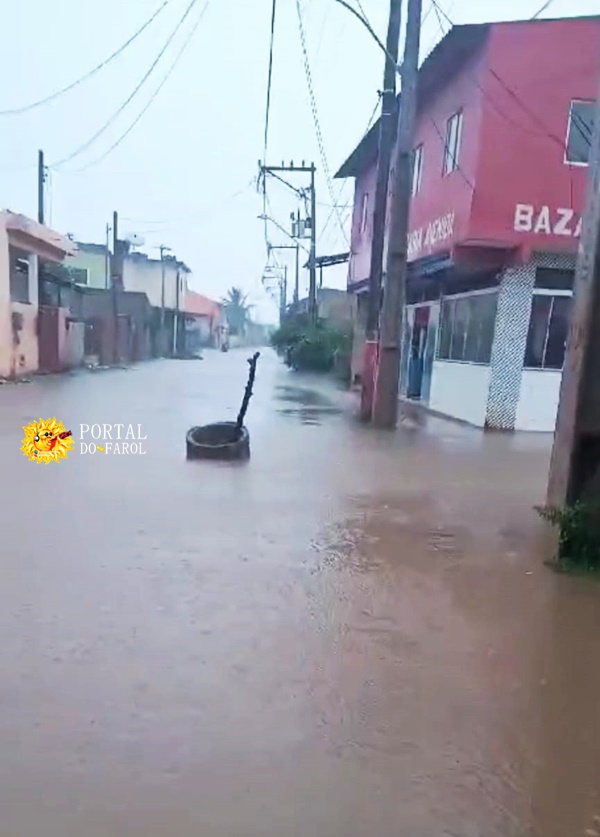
x=352 y=635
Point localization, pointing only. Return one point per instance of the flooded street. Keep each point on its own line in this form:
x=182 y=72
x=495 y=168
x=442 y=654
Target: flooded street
x=352 y=635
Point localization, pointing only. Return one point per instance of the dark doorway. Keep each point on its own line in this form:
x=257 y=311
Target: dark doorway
x=417 y=352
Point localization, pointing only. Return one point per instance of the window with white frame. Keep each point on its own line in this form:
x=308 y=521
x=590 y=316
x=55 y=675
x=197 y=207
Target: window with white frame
x=548 y=330
x=364 y=216
x=452 y=145
x=417 y=169
x=579 y=132
x=467 y=328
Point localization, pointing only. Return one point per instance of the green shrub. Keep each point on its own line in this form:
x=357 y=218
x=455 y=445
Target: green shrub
x=578 y=534
x=309 y=347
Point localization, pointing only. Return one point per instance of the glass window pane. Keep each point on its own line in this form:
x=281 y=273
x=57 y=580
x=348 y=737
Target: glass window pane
x=487 y=320
x=473 y=325
x=538 y=328
x=445 y=329
x=581 y=126
x=557 y=333
x=459 y=332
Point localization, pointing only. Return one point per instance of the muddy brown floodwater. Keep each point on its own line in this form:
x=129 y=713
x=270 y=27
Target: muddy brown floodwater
x=352 y=635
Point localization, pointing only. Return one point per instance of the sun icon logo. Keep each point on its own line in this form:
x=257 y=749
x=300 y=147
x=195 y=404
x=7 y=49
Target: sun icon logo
x=46 y=440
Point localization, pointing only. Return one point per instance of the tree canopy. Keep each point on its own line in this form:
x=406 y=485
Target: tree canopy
x=237 y=310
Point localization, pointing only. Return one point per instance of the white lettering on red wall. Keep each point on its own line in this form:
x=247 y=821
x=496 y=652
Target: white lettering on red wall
x=546 y=220
x=425 y=238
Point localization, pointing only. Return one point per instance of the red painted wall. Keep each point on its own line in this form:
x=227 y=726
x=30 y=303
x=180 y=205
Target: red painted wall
x=542 y=65
x=512 y=146
x=441 y=196
x=360 y=241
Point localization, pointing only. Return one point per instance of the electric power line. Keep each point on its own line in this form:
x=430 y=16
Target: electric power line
x=367 y=129
x=77 y=82
x=542 y=9
x=117 y=113
x=269 y=78
x=545 y=131
x=315 y=114
x=165 y=79
x=368 y=26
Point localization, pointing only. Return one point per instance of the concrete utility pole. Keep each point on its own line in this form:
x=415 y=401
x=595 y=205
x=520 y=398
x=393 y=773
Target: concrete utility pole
x=297 y=277
x=41 y=180
x=575 y=462
x=283 y=295
x=107 y=259
x=116 y=281
x=176 y=316
x=295 y=247
x=313 y=308
x=385 y=402
x=163 y=249
x=387 y=125
x=312 y=262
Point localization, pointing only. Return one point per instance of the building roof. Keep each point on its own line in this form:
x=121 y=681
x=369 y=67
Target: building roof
x=86 y=247
x=35 y=232
x=458 y=45
x=138 y=256
x=201 y=306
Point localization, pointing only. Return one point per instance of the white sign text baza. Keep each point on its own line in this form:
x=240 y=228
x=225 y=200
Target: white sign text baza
x=547 y=220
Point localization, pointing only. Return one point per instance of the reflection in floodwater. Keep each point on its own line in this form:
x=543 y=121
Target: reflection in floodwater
x=312 y=405
x=354 y=635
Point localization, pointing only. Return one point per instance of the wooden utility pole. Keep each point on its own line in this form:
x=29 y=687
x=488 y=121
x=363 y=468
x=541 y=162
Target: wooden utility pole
x=575 y=461
x=387 y=124
x=385 y=402
x=41 y=180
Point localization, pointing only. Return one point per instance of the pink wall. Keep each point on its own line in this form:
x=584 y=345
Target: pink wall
x=360 y=262
x=542 y=67
x=24 y=341
x=447 y=198
x=507 y=155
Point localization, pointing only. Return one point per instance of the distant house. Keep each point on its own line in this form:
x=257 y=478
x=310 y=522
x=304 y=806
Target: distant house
x=204 y=322
x=165 y=284
x=32 y=335
x=89 y=265
x=333 y=305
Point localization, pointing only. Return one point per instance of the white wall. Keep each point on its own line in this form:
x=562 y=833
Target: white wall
x=145 y=275
x=460 y=390
x=538 y=400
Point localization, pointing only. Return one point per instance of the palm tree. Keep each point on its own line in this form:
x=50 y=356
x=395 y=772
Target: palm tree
x=237 y=310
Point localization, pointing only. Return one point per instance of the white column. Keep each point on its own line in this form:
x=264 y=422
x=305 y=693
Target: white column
x=34 y=267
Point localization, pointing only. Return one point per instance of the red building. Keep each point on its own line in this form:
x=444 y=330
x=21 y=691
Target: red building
x=505 y=114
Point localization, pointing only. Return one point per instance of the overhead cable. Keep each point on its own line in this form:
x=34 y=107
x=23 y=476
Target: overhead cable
x=140 y=84
x=315 y=114
x=86 y=76
x=269 y=78
x=165 y=79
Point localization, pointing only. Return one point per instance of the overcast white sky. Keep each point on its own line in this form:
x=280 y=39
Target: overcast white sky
x=172 y=179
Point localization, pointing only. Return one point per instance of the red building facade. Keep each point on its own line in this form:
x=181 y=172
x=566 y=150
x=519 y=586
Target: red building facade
x=505 y=114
